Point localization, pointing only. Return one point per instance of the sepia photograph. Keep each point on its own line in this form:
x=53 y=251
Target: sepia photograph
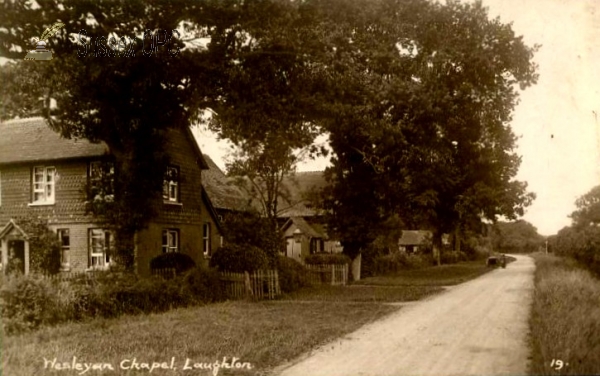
x=299 y=187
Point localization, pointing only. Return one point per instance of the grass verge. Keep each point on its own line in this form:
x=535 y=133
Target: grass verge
x=444 y=275
x=359 y=293
x=264 y=334
x=565 y=319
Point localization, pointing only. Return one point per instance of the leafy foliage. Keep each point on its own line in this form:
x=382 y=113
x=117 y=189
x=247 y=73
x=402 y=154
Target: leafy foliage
x=179 y=261
x=44 y=246
x=29 y=302
x=239 y=258
x=423 y=98
x=516 y=237
x=581 y=240
x=416 y=97
x=87 y=81
x=205 y=284
x=292 y=274
x=588 y=209
x=251 y=229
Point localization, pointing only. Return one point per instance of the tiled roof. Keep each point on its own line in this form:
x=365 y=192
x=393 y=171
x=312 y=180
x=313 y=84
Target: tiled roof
x=31 y=140
x=220 y=189
x=312 y=230
x=417 y=237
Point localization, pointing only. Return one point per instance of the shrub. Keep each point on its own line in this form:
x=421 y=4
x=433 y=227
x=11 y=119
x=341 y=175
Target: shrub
x=179 y=261
x=453 y=257
x=149 y=295
x=369 y=255
x=238 y=259
x=292 y=275
x=390 y=263
x=251 y=229
x=27 y=303
x=44 y=247
x=398 y=261
x=205 y=285
x=420 y=261
x=327 y=258
x=30 y=302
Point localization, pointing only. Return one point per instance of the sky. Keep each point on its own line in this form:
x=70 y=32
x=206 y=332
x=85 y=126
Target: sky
x=556 y=120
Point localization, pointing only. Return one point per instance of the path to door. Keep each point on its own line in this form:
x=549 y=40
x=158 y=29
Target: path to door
x=476 y=328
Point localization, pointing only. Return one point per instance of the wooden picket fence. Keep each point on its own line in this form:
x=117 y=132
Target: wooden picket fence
x=260 y=284
x=68 y=276
x=328 y=274
x=167 y=273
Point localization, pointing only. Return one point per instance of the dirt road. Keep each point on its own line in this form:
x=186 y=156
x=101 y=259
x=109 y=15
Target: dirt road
x=476 y=328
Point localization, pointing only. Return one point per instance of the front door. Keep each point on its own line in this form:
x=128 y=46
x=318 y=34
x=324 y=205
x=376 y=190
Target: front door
x=293 y=249
x=16 y=255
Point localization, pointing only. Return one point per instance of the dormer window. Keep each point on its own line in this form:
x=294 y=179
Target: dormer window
x=171 y=184
x=43 y=191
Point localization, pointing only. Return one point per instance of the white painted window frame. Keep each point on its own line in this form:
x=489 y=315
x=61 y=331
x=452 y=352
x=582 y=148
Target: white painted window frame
x=171 y=236
x=48 y=174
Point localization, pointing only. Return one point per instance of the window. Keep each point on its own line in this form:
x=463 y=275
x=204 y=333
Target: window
x=100 y=244
x=101 y=180
x=65 y=246
x=170 y=240
x=43 y=185
x=206 y=239
x=171 y=185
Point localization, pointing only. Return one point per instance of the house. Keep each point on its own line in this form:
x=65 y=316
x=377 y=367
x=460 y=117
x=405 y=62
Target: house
x=44 y=175
x=413 y=241
x=304 y=226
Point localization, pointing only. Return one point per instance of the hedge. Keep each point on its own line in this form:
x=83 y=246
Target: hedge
x=29 y=302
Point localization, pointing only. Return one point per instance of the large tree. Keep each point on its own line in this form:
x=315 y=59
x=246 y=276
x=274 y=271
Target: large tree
x=129 y=90
x=518 y=236
x=421 y=115
x=581 y=240
x=266 y=102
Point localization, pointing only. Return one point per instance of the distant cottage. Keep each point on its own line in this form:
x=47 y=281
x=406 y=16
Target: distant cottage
x=44 y=175
x=304 y=226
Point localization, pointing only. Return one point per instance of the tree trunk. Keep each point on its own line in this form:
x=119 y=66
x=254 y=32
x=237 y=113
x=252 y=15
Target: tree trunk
x=353 y=250
x=457 y=240
x=355 y=267
x=437 y=247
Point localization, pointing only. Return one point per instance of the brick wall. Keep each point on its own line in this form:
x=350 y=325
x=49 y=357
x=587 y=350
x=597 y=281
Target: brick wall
x=149 y=244
x=183 y=155
x=70 y=180
x=78 y=253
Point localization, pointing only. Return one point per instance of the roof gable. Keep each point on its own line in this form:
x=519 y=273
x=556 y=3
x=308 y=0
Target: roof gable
x=12 y=227
x=199 y=156
x=32 y=140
